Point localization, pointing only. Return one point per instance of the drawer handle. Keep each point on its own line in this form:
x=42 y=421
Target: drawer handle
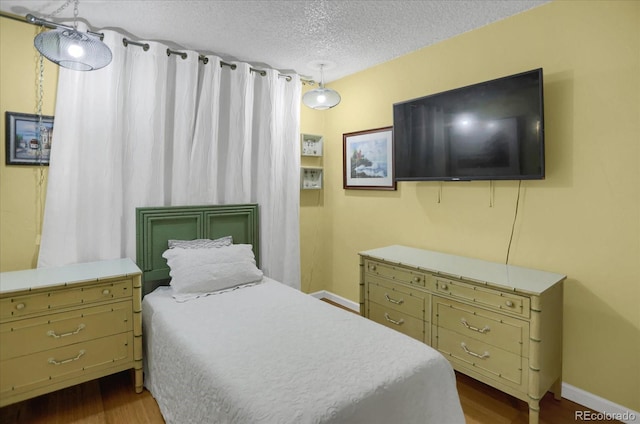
x=471 y=327
x=106 y=292
x=416 y=279
x=444 y=287
x=393 y=321
x=389 y=299
x=66 y=361
x=57 y=336
x=372 y=267
x=20 y=306
x=509 y=303
x=483 y=356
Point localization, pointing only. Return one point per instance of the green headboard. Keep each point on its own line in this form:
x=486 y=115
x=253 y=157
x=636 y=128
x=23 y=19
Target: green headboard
x=156 y=225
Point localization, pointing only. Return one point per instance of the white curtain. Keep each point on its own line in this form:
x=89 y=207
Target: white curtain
x=157 y=130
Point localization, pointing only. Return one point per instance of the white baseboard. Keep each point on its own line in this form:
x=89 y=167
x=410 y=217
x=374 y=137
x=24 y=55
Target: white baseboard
x=609 y=409
x=569 y=392
x=323 y=294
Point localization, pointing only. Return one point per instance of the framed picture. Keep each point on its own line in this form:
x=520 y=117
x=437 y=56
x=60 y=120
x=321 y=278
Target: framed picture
x=368 y=159
x=23 y=144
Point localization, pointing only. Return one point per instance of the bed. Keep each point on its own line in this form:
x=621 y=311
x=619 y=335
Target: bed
x=262 y=352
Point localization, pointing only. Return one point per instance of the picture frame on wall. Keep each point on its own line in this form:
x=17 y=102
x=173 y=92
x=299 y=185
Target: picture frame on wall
x=368 y=159
x=23 y=146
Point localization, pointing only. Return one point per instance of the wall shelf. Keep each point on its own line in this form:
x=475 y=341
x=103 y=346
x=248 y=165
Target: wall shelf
x=311 y=145
x=311 y=178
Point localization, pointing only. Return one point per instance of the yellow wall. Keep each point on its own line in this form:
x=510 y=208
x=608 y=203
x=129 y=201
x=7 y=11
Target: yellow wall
x=315 y=242
x=583 y=220
x=22 y=188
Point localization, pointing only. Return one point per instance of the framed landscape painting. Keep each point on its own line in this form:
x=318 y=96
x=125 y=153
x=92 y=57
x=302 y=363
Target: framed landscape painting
x=368 y=159
x=24 y=146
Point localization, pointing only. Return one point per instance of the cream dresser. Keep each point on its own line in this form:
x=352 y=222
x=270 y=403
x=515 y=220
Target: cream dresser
x=497 y=323
x=63 y=326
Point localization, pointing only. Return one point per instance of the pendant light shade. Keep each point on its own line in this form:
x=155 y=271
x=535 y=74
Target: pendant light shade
x=73 y=49
x=68 y=47
x=321 y=98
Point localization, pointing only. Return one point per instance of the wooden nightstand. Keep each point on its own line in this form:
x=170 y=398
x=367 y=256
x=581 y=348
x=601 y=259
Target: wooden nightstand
x=67 y=325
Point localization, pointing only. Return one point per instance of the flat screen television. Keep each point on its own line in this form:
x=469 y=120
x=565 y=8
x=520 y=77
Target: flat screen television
x=493 y=130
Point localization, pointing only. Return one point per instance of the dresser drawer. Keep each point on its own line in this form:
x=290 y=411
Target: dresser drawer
x=398 y=298
x=504 y=332
x=56 y=330
x=65 y=363
x=482 y=358
x=62 y=298
x=392 y=272
x=505 y=302
x=411 y=326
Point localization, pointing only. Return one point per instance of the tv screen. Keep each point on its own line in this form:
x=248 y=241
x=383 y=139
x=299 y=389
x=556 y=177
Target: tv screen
x=493 y=130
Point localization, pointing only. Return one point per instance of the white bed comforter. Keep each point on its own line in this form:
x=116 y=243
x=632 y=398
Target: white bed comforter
x=271 y=354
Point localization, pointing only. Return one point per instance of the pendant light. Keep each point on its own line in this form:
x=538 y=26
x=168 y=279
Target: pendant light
x=70 y=48
x=321 y=98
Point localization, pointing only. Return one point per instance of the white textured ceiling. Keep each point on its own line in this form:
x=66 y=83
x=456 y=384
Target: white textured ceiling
x=289 y=35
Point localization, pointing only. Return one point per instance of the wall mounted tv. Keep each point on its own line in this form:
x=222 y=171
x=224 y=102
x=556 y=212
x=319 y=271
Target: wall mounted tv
x=493 y=130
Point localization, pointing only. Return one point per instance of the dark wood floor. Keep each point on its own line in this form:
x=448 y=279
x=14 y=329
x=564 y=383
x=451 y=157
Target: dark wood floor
x=112 y=400
x=109 y=400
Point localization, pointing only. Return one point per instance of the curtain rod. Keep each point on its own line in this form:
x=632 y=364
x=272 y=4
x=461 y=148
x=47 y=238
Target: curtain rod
x=53 y=25
x=31 y=19
x=204 y=59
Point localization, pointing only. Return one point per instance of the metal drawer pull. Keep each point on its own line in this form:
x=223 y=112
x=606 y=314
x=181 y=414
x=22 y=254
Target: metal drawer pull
x=392 y=321
x=483 y=356
x=66 y=361
x=509 y=303
x=397 y=302
x=106 y=292
x=20 y=306
x=470 y=327
x=57 y=336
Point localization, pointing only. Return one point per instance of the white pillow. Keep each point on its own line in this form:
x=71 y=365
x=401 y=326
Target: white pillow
x=201 y=243
x=202 y=271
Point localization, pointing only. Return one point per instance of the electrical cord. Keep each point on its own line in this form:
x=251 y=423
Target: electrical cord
x=513 y=225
